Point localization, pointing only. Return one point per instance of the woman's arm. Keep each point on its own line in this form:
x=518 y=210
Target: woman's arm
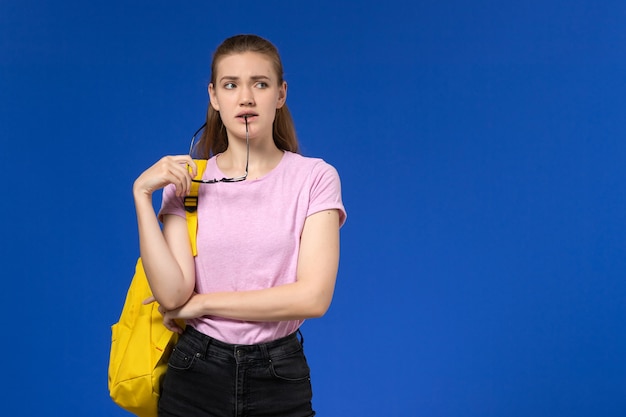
x=308 y=297
x=166 y=255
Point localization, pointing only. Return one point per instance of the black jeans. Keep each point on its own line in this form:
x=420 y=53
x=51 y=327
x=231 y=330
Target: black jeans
x=206 y=377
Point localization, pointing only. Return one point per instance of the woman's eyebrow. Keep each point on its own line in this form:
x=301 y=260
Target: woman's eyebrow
x=260 y=77
x=235 y=78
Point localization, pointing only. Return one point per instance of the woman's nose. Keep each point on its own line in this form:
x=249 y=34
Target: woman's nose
x=247 y=97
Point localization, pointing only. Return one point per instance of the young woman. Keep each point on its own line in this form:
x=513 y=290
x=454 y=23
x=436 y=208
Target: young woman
x=268 y=247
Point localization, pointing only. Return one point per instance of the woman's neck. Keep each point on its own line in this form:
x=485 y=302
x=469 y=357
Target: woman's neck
x=264 y=156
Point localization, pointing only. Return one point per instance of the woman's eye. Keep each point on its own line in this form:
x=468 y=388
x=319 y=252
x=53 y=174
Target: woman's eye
x=261 y=84
x=229 y=86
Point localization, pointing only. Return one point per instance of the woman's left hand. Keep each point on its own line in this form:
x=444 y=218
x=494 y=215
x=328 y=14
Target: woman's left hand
x=188 y=311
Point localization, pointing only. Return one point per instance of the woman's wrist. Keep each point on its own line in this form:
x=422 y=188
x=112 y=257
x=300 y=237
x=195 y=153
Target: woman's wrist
x=139 y=193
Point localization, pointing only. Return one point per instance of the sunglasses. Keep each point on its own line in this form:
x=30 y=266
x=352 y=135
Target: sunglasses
x=234 y=179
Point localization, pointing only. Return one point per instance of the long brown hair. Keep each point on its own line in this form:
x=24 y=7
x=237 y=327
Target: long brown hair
x=214 y=139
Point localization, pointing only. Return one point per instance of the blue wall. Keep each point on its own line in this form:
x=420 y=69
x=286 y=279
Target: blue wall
x=481 y=149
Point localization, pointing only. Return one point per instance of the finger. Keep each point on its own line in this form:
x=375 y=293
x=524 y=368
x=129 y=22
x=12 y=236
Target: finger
x=183 y=159
x=187 y=172
x=172 y=326
x=182 y=182
x=181 y=178
x=187 y=162
x=149 y=300
x=192 y=168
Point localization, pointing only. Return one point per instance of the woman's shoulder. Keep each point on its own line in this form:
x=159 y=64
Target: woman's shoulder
x=306 y=162
x=310 y=170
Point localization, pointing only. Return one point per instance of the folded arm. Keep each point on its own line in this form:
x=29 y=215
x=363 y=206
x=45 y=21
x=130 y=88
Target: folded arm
x=166 y=254
x=308 y=297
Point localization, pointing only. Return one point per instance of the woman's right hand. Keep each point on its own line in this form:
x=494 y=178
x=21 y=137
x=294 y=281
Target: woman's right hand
x=168 y=170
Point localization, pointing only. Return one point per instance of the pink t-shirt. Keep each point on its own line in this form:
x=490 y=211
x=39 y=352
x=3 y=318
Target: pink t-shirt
x=249 y=235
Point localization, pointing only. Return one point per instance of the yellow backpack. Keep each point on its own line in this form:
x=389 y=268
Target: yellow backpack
x=140 y=343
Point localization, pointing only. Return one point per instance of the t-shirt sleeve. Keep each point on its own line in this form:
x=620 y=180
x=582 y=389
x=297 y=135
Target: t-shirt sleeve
x=326 y=191
x=171 y=204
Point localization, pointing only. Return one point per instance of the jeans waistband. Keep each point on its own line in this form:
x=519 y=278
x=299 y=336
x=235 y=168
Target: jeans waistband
x=274 y=349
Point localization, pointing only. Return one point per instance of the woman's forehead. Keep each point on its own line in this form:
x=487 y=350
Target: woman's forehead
x=245 y=64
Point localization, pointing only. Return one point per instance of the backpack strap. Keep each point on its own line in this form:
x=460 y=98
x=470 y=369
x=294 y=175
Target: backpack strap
x=191 y=206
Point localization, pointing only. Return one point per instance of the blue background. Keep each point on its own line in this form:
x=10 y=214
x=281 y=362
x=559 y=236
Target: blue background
x=481 y=150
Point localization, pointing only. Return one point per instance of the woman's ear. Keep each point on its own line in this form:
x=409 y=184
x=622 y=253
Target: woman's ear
x=282 y=95
x=213 y=97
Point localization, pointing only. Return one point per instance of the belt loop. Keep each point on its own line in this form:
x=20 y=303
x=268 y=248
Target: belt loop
x=264 y=351
x=206 y=341
x=301 y=337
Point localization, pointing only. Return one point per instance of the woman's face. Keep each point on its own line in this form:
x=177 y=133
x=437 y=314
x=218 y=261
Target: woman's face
x=246 y=84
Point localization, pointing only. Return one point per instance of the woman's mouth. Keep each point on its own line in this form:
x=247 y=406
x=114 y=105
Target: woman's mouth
x=246 y=116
